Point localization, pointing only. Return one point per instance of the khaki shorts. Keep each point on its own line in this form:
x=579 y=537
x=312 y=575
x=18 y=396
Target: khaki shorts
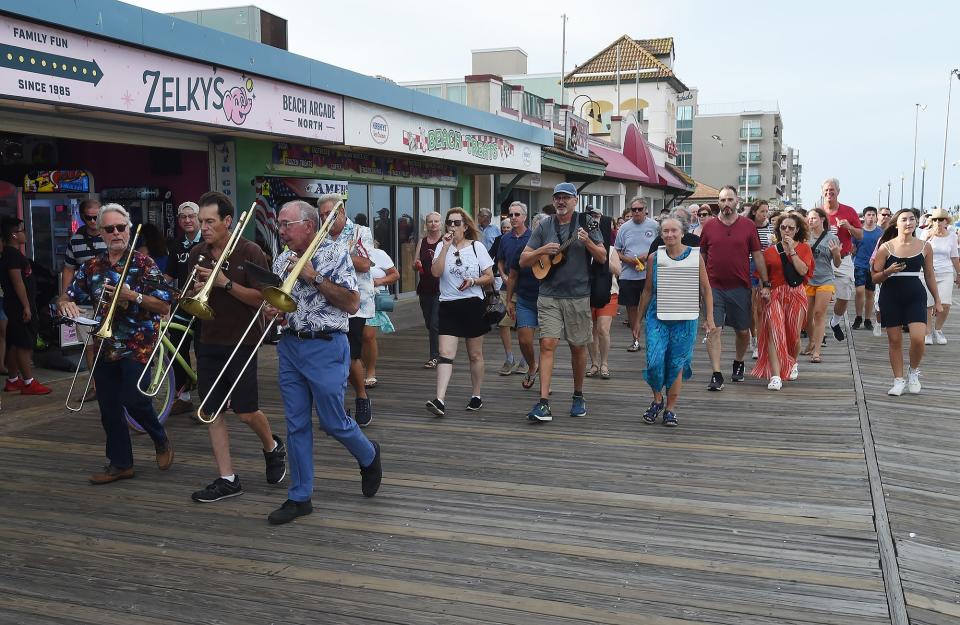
x=844 y=282
x=507 y=321
x=84 y=331
x=563 y=318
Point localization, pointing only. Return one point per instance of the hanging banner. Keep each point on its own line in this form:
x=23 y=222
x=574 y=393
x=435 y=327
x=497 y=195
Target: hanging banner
x=55 y=66
x=578 y=132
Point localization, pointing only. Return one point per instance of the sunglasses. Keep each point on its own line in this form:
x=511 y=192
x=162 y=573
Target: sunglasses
x=89 y=217
x=454 y=222
x=886 y=214
x=703 y=214
x=459 y=262
x=117 y=228
x=639 y=209
x=938 y=219
x=787 y=227
x=516 y=214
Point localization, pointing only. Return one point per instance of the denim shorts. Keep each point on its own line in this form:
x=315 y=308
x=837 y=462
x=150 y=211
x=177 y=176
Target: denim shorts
x=862 y=277
x=526 y=312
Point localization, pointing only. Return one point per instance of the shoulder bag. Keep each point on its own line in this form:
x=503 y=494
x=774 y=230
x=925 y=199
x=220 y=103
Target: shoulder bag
x=493 y=308
x=790 y=273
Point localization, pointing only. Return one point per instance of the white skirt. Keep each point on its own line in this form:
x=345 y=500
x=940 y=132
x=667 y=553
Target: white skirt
x=944 y=289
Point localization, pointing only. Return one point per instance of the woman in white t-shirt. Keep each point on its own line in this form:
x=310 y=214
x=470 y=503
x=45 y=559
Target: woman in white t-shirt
x=946 y=267
x=384 y=273
x=464 y=268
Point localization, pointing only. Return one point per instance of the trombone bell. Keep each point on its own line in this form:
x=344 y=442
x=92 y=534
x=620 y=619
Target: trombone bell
x=279 y=299
x=198 y=308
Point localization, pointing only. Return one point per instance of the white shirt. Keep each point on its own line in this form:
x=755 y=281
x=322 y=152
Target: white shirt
x=944 y=248
x=474 y=260
x=382 y=262
x=364 y=243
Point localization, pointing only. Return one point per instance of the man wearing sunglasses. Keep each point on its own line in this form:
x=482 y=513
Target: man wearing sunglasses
x=85 y=244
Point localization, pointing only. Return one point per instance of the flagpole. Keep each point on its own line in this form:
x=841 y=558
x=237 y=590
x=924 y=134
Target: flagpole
x=618 y=79
x=563 y=61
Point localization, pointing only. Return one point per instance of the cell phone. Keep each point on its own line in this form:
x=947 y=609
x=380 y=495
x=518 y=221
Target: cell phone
x=464 y=285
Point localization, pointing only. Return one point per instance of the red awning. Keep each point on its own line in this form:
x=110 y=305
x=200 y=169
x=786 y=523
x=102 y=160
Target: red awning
x=637 y=151
x=669 y=180
x=619 y=166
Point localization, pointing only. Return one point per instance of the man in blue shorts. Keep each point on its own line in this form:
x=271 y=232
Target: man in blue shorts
x=861 y=269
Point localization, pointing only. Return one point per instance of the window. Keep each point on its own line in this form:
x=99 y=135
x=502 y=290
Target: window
x=356 y=203
x=457 y=93
x=434 y=90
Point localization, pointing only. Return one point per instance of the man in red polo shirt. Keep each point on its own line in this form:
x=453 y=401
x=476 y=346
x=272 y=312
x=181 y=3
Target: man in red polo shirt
x=845 y=223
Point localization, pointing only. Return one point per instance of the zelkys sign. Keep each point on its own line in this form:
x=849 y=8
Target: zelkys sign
x=55 y=66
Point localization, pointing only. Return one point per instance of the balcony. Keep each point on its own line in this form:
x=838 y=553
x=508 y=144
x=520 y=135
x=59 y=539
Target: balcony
x=506 y=98
x=754 y=132
x=754 y=157
x=754 y=180
x=533 y=105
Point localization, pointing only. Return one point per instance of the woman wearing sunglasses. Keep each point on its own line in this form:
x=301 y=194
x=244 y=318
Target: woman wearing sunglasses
x=946 y=267
x=464 y=268
x=790 y=265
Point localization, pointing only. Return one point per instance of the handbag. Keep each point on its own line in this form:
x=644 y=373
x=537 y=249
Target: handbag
x=493 y=308
x=383 y=302
x=790 y=273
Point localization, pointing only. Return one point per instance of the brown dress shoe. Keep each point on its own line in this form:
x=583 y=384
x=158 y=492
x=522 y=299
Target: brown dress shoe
x=111 y=473
x=180 y=406
x=165 y=456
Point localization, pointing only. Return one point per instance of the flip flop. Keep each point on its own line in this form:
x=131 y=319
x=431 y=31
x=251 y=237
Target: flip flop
x=593 y=371
x=370 y=382
x=605 y=372
x=529 y=380
x=816 y=359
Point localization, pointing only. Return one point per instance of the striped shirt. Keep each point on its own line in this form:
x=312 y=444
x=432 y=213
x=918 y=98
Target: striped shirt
x=83 y=247
x=766 y=235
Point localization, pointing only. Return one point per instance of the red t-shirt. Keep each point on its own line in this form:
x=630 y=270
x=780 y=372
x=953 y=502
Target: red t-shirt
x=727 y=250
x=846 y=239
x=775 y=264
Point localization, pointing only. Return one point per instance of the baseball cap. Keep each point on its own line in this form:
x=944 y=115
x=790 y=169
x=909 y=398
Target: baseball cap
x=594 y=210
x=188 y=207
x=565 y=187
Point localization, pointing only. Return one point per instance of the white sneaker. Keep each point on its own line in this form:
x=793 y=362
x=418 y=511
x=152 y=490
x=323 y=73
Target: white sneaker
x=898 y=385
x=756 y=353
x=775 y=383
x=876 y=329
x=939 y=337
x=928 y=340
x=913 y=380
x=794 y=372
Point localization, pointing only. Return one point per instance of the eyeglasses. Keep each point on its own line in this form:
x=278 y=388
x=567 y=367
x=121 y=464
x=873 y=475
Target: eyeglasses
x=287 y=224
x=938 y=219
x=516 y=214
x=703 y=214
x=787 y=227
x=459 y=262
x=886 y=214
x=454 y=222
x=638 y=208
x=89 y=217
x=118 y=228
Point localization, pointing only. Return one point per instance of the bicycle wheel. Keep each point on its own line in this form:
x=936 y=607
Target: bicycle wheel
x=163 y=400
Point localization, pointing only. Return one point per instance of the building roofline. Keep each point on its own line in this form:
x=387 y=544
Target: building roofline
x=504 y=49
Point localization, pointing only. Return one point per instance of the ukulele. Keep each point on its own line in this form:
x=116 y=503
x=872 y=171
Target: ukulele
x=546 y=263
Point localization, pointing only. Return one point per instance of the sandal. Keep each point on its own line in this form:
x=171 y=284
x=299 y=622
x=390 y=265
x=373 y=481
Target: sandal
x=605 y=372
x=593 y=371
x=430 y=364
x=529 y=380
x=815 y=358
x=370 y=382
x=806 y=351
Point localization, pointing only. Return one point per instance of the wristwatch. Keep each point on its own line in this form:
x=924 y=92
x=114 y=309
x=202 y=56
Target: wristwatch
x=318 y=279
x=228 y=285
x=139 y=298
x=766 y=284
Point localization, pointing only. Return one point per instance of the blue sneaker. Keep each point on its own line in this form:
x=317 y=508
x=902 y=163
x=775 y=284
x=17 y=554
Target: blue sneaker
x=650 y=416
x=364 y=414
x=541 y=412
x=670 y=419
x=579 y=406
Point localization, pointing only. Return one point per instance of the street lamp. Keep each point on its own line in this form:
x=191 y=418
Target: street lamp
x=946 y=126
x=916 y=125
x=879 y=194
x=888 y=194
x=592 y=102
x=923 y=179
x=901 y=191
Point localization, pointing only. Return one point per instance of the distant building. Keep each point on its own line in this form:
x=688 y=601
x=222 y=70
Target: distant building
x=249 y=22
x=790 y=172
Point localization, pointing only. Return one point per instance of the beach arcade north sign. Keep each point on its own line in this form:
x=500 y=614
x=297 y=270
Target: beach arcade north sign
x=59 y=67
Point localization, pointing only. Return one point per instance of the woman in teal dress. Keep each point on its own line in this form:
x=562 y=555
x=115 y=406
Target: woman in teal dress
x=670 y=343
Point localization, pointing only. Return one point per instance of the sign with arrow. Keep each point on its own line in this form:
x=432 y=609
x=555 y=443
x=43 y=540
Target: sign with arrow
x=48 y=65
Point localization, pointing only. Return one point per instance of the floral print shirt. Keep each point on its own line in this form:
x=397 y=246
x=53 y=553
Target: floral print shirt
x=314 y=312
x=134 y=327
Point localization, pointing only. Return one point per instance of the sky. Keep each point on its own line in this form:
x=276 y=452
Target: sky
x=846 y=75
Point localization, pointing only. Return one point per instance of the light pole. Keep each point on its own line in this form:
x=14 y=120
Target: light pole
x=879 y=193
x=563 y=59
x=916 y=125
x=888 y=194
x=946 y=126
x=901 y=191
x=923 y=180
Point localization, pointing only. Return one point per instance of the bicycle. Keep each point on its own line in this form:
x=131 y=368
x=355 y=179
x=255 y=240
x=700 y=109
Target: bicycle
x=163 y=400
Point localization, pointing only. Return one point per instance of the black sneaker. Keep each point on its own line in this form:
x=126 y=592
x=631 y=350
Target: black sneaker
x=857 y=322
x=219 y=489
x=867 y=324
x=436 y=407
x=838 y=332
x=364 y=416
x=276 y=462
x=716 y=382
x=289 y=511
x=371 y=474
x=475 y=403
x=737 y=371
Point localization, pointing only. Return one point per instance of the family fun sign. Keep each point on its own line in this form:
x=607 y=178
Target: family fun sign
x=54 y=66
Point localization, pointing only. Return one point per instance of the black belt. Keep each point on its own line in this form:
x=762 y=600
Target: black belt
x=325 y=335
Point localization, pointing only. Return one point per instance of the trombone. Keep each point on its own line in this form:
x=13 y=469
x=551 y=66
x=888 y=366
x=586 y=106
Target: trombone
x=105 y=332
x=278 y=297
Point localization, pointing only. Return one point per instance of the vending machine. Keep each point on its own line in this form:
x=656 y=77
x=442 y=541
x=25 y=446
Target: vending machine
x=146 y=205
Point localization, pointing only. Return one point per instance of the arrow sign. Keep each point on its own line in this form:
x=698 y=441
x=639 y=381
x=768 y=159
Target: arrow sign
x=27 y=60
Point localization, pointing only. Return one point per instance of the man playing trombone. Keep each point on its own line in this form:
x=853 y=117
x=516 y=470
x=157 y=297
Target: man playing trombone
x=234 y=300
x=314 y=355
x=134 y=333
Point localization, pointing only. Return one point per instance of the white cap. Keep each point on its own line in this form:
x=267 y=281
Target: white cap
x=188 y=207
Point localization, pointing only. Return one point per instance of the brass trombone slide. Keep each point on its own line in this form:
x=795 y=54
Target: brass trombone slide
x=105 y=331
x=278 y=297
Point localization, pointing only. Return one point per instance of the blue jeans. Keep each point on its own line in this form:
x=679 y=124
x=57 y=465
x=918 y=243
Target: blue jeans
x=313 y=372
x=116 y=390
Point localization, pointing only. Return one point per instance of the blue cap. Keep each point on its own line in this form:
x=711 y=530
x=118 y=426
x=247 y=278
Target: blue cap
x=565 y=187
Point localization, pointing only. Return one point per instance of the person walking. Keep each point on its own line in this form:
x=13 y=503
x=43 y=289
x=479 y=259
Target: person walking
x=759 y=214
x=464 y=268
x=428 y=286
x=633 y=244
x=384 y=274
x=902 y=259
x=488 y=231
x=672 y=335
x=825 y=247
x=523 y=289
x=864 y=250
x=946 y=267
x=789 y=265
x=509 y=246
x=845 y=224
x=727 y=243
x=599 y=348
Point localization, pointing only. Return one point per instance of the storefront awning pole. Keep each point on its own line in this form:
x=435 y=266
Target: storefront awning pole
x=505 y=191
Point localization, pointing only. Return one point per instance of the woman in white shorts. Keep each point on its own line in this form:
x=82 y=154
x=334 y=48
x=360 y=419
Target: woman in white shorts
x=946 y=267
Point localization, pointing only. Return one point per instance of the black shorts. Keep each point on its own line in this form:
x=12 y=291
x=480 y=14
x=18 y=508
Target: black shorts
x=210 y=361
x=463 y=318
x=630 y=292
x=19 y=334
x=355 y=336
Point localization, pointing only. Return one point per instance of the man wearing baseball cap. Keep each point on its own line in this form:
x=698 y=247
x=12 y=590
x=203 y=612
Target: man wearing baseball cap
x=563 y=306
x=177 y=270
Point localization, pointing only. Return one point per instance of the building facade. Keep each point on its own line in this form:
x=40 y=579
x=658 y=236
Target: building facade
x=791 y=170
x=686 y=113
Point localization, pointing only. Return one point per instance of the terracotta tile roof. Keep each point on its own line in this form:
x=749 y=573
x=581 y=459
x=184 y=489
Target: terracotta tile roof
x=659 y=46
x=704 y=193
x=602 y=67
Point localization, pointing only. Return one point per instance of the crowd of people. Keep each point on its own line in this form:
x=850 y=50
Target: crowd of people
x=771 y=276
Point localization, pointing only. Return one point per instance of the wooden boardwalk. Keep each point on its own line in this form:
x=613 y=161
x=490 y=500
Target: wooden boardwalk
x=757 y=510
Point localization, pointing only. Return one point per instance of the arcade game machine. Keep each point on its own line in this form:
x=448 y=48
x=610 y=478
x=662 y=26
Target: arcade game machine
x=146 y=205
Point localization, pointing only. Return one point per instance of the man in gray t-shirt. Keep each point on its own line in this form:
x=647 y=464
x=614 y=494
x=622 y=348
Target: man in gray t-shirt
x=633 y=245
x=563 y=307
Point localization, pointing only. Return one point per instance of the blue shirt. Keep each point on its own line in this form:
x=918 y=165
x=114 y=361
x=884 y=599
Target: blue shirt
x=314 y=312
x=866 y=247
x=511 y=246
x=490 y=234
